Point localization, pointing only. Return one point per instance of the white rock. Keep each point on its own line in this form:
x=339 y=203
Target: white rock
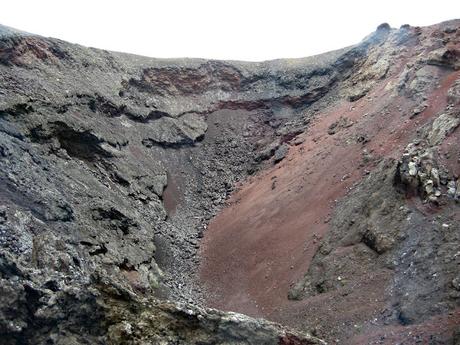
x=435 y=176
x=429 y=186
x=412 y=168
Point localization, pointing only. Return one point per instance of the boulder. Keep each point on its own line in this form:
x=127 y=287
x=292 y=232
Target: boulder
x=442 y=126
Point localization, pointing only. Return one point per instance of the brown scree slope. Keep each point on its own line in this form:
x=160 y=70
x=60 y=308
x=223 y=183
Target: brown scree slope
x=340 y=173
x=263 y=242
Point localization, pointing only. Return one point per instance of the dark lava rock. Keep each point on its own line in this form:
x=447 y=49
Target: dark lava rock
x=111 y=165
x=281 y=153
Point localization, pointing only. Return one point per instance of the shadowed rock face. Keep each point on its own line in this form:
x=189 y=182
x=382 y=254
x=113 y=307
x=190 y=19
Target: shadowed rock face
x=112 y=166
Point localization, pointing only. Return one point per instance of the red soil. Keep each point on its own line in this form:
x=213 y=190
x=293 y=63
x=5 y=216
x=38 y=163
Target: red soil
x=263 y=242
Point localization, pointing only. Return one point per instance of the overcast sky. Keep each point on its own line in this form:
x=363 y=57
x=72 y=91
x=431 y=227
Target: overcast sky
x=237 y=29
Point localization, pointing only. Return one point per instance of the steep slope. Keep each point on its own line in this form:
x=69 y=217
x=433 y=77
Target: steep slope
x=112 y=166
x=378 y=239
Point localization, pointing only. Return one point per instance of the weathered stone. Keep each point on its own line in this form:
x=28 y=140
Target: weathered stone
x=444 y=57
x=111 y=165
x=423 y=81
x=268 y=152
x=428 y=185
x=442 y=126
x=341 y=123
x=281 y=153
x=417 y=110
x=453 y=94
x=169 y=323
x=419 y=173
x=435 y=177
x=412 y=169
x=451 y=188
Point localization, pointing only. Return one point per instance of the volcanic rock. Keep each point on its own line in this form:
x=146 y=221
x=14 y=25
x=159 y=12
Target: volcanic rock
x=128 y=210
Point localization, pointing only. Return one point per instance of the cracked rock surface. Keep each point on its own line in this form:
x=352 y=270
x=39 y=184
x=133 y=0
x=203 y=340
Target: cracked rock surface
x=113 y=167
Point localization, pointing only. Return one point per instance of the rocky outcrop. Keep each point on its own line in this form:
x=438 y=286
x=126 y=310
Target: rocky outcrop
x=382 y=234
x=369 y=223
x=357 y=227
x=419 y=173
x=376 y=231
x=41 y=307
x=446 y=57
x=444 y=125
x=112 y=165
x=169 y=323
